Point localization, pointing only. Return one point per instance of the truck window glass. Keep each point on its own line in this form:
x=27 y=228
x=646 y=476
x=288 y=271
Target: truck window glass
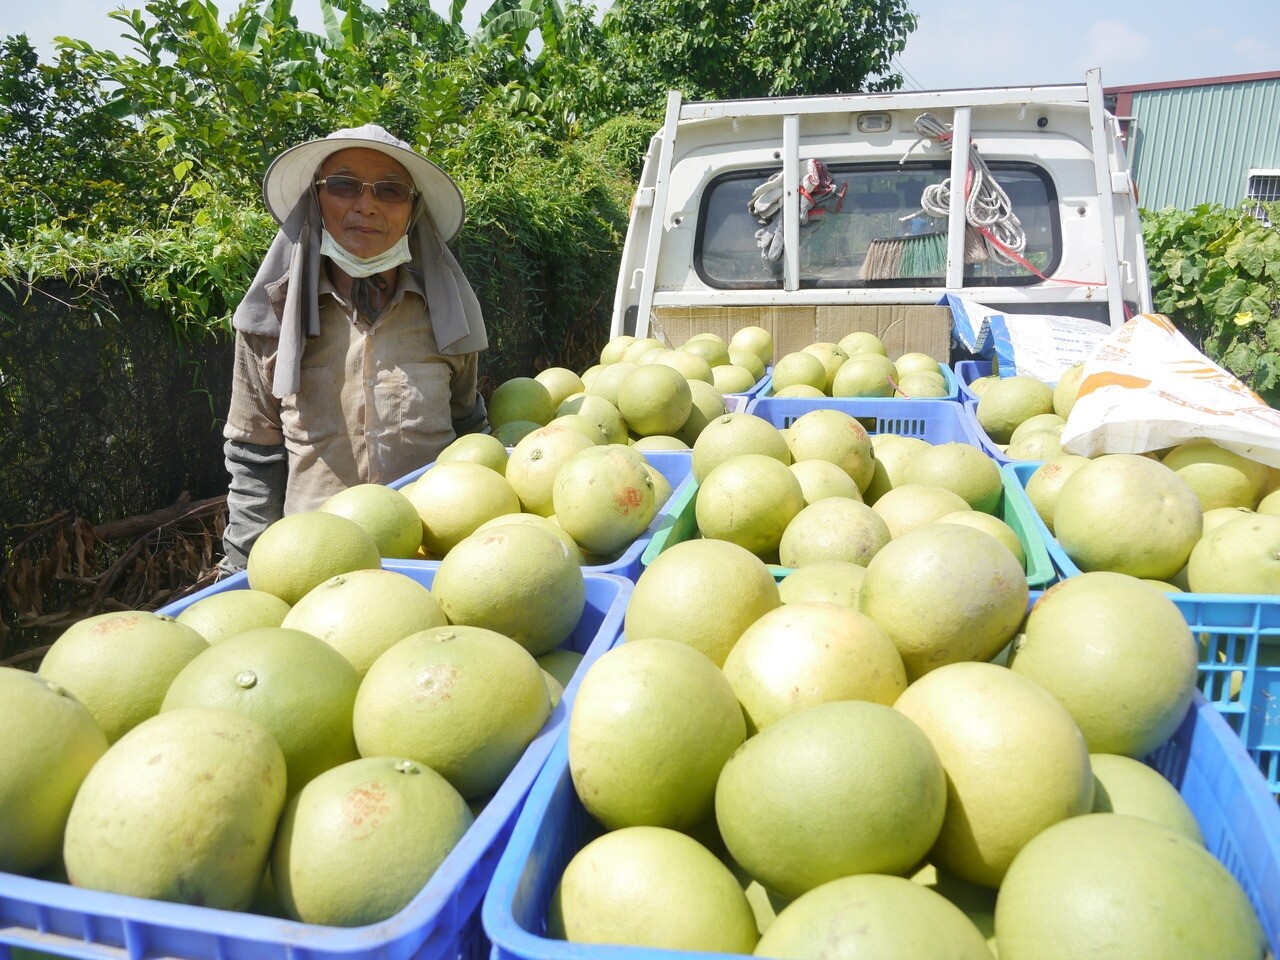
x=879 y=204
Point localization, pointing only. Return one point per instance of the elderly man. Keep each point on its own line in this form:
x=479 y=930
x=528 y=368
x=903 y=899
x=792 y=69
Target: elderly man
x=357 y=343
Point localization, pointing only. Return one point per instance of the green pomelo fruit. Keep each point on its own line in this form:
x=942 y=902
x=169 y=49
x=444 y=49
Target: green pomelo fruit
x=749 y=362
x=832 y=358
x=826 y=581
x=893 y=454
x=836 y=437
x=862 y=341
x=1009 y=401
x=990 y=525
x=561 y=663
x=749 y=500
x=733 y=435
x=612 y=351
x=655 y=399
x=662 y=489
x=561 y=382
x=509 y=434
x=915 y=362
x=453 y=499
x=660 y=442
x=836 y=528
x=1219 y=477
x=50 y=743
x=520 y=398
x=225 y=614
x=804 y=654
x=923 y=384
x=1041 y=421
x=362 y=613
x=463 y=700
x=548 y=524
x=606 y=383
x=838 y=789
x=756 y=339
x=1216 y=517
x=909 y=506
x=864 y=375
x=603 y=498
x=945 y=593
x=1128 y=514
x=181 y=808
x=1239 y=556
x=961 y=468
x=703 y=593
x=485 y=449
x=1044 y=444
x=1109 y=886
x=1119 y=656
x=652 y=726
x=517 y=580
x=584 y=425
x=1128 y=786
x=1067 y=389
x=384 y=513
x=361 y=840
x=303 y=550
x=119 y=665
x=708 y=405
x=1014 y=758
x=298 y=687
x=690 y=365
x=532 y=467
x=709 y=347
x=655 y=888
x=600 y=412
x=820 y=479
x=1044 y=485
x=799 y=390
x=731 y=378
x=872 y=918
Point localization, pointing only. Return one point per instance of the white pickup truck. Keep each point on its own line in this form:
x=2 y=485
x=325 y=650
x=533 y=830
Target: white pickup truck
x=882 y=245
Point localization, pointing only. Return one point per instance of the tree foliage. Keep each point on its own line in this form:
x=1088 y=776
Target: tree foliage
x=1215 y=271
x=713 y=49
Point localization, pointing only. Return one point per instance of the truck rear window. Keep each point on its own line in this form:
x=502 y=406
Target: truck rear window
x=879 y=214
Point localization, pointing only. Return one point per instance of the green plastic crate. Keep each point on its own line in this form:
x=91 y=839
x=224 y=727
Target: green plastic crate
x=1015 y=509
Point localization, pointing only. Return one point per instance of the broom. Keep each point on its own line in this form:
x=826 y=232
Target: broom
x=918 y=255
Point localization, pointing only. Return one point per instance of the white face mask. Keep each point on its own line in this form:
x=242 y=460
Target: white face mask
x=354 y=266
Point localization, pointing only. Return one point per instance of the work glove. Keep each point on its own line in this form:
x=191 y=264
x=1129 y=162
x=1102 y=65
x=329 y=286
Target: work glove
x=766 y=198
x=769 y=239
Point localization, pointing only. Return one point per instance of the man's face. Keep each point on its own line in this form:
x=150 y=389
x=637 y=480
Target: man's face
x=364 y=225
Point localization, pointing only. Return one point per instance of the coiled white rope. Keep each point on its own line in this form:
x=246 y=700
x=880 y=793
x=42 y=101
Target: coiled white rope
x=987 y=207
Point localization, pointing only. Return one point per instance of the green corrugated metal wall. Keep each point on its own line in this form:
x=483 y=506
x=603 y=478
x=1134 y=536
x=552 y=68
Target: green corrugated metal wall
x=1198 y=144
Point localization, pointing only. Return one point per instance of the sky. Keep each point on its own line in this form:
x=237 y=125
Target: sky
x=956 y=44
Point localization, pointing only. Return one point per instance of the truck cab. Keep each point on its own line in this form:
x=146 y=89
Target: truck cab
x=884 y=253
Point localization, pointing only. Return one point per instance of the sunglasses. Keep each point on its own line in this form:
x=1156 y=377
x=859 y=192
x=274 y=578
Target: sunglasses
x=348 y=188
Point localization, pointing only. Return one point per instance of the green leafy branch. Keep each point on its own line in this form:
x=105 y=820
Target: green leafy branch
x=1215 y=271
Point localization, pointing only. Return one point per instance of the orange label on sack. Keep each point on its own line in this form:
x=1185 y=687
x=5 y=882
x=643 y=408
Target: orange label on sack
x=1096 y=381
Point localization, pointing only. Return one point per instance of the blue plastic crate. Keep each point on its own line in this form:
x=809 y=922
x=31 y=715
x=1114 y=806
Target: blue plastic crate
x=765 y=389
x=441 y=923
x=1240 y=822
x=934 y=421
x=675 y=465
x=967 y=371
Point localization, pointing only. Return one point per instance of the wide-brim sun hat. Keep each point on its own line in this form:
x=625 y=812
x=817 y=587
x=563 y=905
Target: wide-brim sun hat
x=294 y=172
